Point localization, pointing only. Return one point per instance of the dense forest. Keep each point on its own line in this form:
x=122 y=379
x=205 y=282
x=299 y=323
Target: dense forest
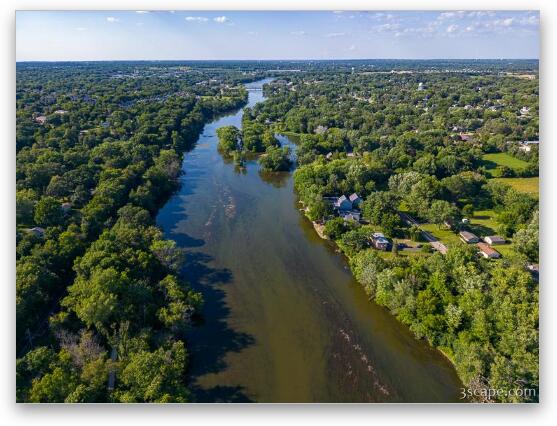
x=447 y=149
x=101 y=305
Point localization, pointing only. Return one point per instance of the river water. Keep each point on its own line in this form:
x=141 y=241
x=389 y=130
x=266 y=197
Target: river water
x=284 y=320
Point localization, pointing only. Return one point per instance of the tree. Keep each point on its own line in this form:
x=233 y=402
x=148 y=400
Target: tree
x=48 y=212
x=229 y=138
x=441 y=211
x=155 y=376
x=276 y=159
x=25 y=205
x=527 y=239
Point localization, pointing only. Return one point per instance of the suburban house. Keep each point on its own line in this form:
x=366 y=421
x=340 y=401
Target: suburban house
x=468 y=237
x=66 y=207
x=524 y=111
x=534 y=269
x=41 y=119
x=379 y=241
x=37 y=231
x=352 y=216
x=329 y=155
x=355 y=200
x=494 y=239
x=343 y=204
x=488 y=252
x=466 y=137
x=526 y=146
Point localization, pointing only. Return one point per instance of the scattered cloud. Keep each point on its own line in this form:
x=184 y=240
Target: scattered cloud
x=352 y=47
x=196 y=19
x=298 y=33
x=333 y=35
x=139 y=24
x=142 y=12
x=81 y=29
x=112 y=19
x=221 y=19
x=452 y=28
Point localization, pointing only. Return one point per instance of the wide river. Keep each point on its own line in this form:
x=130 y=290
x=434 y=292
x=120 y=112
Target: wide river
x=284 y=320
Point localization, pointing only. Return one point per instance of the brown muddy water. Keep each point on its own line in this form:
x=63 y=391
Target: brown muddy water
x=284 y=320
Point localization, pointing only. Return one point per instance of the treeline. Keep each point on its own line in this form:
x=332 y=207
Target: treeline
x=101 y=306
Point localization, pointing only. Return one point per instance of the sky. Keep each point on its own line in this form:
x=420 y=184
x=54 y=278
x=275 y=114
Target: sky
x=182 y=35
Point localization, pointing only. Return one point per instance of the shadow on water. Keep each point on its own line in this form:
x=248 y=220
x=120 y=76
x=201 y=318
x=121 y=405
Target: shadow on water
x=213 y=337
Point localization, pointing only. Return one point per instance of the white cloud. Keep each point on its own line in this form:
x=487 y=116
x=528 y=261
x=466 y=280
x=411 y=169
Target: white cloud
x=352 y=47
x=333 y=35
x=298 y=33
x=81 y=29
x=112 y=19
x=139 y=24
x=196 y=19
x=221 y=19
x=452 y=28
x=142 y=12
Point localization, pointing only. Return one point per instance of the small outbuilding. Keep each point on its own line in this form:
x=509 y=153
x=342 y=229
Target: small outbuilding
x=494 y=240
x=468 y=237
x=488 y=252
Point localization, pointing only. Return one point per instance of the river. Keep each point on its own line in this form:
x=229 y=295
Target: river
x=284 y=320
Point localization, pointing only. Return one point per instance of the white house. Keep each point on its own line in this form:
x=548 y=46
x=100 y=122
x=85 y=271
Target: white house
x=494 y=239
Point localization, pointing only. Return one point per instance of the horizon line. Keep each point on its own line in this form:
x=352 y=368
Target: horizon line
x=276 y=60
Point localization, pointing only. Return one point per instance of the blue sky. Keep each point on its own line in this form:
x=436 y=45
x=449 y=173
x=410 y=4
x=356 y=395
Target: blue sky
x=137 y=35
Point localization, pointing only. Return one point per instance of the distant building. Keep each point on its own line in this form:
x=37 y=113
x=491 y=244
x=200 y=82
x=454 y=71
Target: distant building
x=534 y=269
x=41 y=119
x=494 y=240
x=421 y=86
x=526 y=146
x=60 y=112
x=329 y=155
x=466 y=137
x=488 y=252
x=66 y=207
x=37 y=231
x=319 y=130
x=355 y=200
x=524 y=111
x=343 y=204
x=468 y=237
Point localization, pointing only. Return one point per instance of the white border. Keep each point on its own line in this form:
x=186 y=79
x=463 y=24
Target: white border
x=279 y=414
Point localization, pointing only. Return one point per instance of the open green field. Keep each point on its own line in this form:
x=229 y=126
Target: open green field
x=446 y=236
x=493 y=163
x=530 y=185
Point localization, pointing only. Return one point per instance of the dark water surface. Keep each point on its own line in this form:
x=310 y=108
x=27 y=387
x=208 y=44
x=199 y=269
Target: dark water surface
x=284 y=320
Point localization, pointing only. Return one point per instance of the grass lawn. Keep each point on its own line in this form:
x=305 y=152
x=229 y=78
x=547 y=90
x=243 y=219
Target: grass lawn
x=446 y=236
x=493 y=162
x=483 y=223
x=529 y=185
